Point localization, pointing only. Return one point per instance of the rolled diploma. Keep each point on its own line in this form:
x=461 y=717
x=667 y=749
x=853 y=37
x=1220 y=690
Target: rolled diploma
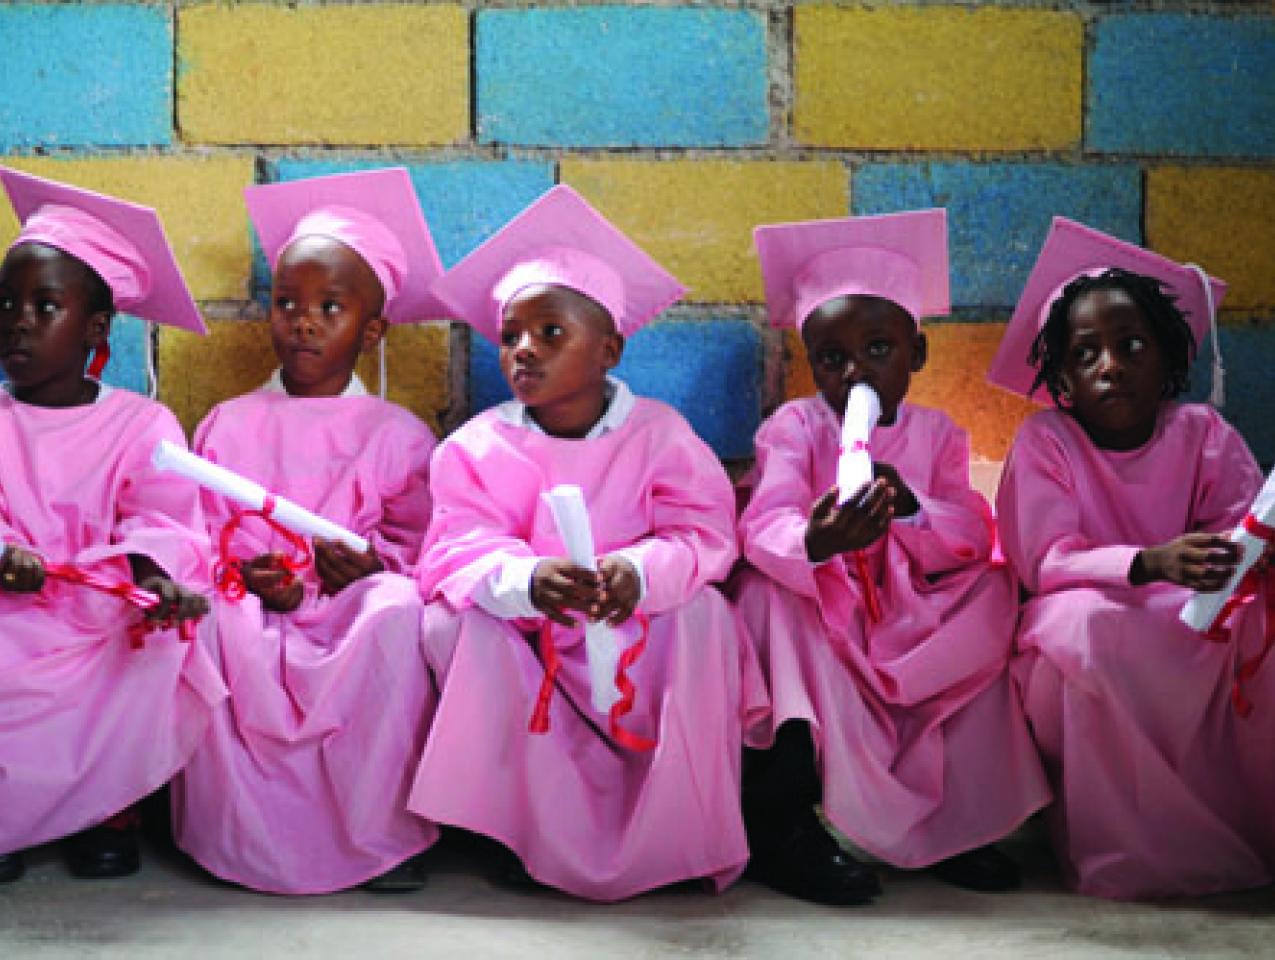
x=854 y=467
x=601 y=645
x=1202 y=609
x=246 y=493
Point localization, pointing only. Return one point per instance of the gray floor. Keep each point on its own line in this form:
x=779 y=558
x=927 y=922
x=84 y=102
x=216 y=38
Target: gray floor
x=171 y=910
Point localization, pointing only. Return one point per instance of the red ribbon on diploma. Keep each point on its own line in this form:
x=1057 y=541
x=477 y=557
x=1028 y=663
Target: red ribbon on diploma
x=864 y=576
x=539 y=722
x=127 y=591
x=228 y=574
x=1245 y=591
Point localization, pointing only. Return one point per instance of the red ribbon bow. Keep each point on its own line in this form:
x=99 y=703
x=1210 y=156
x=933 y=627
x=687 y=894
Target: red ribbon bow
x=1219 y=631
x=127 y=591
x=228 y=573
x=539 y=722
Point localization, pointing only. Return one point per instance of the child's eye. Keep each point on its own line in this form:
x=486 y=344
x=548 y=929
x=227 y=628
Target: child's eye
x=47 y=307
x=879 y=348
x=331 y=307
x=1136 y=345
x=552 y=330
x=1084 y=355
x=284 y=303
x=830 y=359
x=6 y=304
x=508 y=338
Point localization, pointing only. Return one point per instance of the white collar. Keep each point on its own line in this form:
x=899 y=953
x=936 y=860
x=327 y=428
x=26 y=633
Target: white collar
x=620 y=401
x=354 y=388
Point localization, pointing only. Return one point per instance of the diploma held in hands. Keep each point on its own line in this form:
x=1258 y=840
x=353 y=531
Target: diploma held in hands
x=854 y=467
x=1253 y=536
x=601 y=644
x=252 y=496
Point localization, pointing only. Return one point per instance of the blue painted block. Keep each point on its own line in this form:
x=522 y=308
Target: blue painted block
x=85 y=75
x=709 y=370
x=998 y=213
x=465 y=202
x=127 y=367
x=1249 y=354
x=615 y=76
x=1185 y=85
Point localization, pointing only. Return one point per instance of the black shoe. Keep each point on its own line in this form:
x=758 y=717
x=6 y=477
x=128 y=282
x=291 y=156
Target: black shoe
x=806 y=862
x=408 y=877
x=12 y=866
x=985 y=869
x=103 y=852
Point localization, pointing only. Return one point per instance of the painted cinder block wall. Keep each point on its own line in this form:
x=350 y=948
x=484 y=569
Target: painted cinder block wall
x=687 y=124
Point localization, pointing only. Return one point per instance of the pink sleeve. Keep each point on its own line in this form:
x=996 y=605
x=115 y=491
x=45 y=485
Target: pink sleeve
x=773 y=526
x=471 y=533
x=692 y=508
x=158 y=514
x=1039 y=514
x=405 y=505
x=1229 y=479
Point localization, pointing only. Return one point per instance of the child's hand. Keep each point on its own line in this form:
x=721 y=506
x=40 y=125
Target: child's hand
x=905 y=502
x=175 y=601
x=1200 y=561
x=21 y=571
x=856 y=524
x=267 y=577
x=558 y=585
x=621 y=590
x=338 y=566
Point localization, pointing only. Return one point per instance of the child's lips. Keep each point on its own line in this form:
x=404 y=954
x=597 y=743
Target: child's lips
x=524 y=377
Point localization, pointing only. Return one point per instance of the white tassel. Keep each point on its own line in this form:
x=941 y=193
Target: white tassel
x=1217 y=389
x=148 y=349
x=381 y=371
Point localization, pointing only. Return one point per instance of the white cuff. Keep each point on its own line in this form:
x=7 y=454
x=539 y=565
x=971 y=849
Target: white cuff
x=506 y=593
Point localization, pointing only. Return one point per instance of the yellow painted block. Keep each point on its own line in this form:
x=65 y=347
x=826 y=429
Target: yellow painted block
x=697 y=217
x=952 y=381
x=196 y=373
x=1222 y=218
x=367 y=74
x=938 y=77
x=199 y=200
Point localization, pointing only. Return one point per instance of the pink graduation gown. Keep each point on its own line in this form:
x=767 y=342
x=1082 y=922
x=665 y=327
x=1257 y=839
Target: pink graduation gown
x=301 y=784
x=922 y=745
x=87 y=724
x=584 y=813
x=1162 y=789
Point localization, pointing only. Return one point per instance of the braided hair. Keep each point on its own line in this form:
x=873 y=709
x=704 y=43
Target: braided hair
x=1168 y=326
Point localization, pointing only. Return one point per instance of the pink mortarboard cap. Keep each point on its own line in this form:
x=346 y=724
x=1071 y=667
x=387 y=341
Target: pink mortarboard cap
x=124 y=243
x=373 y=212
x=901 y=257
x=1070 y=250
x=558 y=240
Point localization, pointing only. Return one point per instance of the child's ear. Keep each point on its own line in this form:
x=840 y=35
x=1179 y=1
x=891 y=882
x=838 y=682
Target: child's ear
x=613 y=350
x=373 y=332
x=98 y=330
x=920 y=352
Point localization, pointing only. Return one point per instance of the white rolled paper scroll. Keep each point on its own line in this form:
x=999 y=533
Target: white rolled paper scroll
x=169 y=456
x=854 y=466
x=1202 y=609
x=602 y=646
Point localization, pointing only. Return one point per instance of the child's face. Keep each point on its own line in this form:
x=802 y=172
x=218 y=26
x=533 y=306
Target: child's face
x=47 y=325
x=556 y=347
x=861 y=339
x=1113 y=370
x=325 y=309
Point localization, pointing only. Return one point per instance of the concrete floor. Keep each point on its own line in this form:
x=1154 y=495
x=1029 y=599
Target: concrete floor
x=170 y=909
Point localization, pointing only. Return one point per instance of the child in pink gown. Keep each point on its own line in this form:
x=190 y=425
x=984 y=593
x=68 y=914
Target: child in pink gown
x=603 y=805
x=98 y=707
x=1113 y=507
x=882 y=625
x=301 y=785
